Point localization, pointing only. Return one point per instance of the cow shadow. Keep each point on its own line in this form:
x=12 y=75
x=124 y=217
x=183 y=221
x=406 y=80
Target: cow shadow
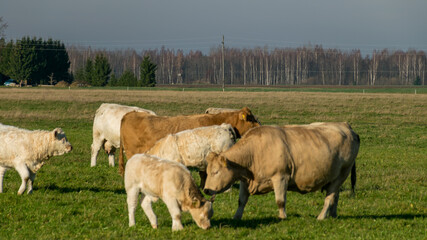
x=54 y=187
x=244 y=223
x=386 y=216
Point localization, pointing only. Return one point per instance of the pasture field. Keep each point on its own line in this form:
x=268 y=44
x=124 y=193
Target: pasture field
x=71 y=200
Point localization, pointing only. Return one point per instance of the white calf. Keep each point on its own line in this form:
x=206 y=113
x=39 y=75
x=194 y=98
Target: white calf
x=190 y=147
x=26 y=151
x=106 y=129
x=170 y=181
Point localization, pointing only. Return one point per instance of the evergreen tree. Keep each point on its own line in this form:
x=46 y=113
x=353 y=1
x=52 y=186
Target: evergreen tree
x=101 y=71
x=148 y=73
x=113 y=81
x=22 y=62
x=128 y=79
x=88 y=72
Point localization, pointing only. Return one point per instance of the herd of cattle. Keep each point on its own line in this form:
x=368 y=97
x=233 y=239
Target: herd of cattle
x=302 y=158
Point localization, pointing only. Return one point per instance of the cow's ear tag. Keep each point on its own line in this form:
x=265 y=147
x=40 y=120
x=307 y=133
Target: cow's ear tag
x=243 y=117
x=224 y=162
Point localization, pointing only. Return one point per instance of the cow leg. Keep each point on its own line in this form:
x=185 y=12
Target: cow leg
x=148 y=210
x=333 y=211
x=24 y=173
x=331 y=200
x=111 y=156
x=243 y=199
x=203 y=177
x=280 y=185
x=2 y=172
x=96 y=146
x=175 y=213
x=132 y=201
x=31 y=182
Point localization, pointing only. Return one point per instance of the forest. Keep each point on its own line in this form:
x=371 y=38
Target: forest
x=308 y=65
x=35 y=61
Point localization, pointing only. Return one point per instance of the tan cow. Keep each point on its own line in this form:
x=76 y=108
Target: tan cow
x=27 y=151
x=190 y=147
x=302 y=158
x=170 y=181
x=139 y=132
x=213 y=110
x=106 y=129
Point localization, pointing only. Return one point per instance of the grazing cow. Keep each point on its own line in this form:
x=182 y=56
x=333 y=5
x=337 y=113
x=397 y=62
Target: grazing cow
x=170 y=181
x=26 y=151
x=190 y=147
x=139 y=132
x=106 y=129
x=302 y=158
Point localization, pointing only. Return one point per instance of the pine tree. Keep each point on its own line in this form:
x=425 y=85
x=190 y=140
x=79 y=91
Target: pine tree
x=101 y=71
x=88 y=70
x=127 y=79
x=148 y=73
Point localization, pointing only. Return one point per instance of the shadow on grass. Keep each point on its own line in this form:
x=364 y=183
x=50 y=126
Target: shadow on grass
x=388 y=217
x=244 y=223
x=54 y=187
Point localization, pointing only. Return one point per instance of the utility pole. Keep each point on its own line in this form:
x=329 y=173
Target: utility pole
x=223 y=82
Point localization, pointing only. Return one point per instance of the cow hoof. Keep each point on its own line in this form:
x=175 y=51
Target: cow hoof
x=154 y=226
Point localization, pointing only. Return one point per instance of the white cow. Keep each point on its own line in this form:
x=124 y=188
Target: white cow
x=170 y=181
x=190 y=147
x=26 y=151
x=106 y=129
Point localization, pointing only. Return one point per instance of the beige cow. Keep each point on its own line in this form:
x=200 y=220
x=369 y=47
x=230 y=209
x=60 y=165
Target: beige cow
x=302 y=158
x=106 y=129
x=26 y=151
x=170 y=181
x=190 y=147
x=213 y=110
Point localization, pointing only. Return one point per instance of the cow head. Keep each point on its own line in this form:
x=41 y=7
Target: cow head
x=246 y=120
x=220 y=175
x=60 y=142
x=202 y=212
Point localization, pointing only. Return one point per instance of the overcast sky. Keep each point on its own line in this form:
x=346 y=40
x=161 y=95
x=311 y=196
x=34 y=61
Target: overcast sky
x=200 y=24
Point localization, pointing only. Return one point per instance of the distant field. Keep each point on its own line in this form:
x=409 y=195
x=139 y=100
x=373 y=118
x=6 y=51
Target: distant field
x=71 y=200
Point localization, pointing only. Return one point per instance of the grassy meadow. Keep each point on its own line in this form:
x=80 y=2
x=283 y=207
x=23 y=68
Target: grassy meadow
x=71 y=200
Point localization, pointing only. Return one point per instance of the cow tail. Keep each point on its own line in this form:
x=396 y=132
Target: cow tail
x=121 y=157
x=353 y=178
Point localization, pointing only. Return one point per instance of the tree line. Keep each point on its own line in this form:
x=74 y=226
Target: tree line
x=37 y=61
x=308 y=65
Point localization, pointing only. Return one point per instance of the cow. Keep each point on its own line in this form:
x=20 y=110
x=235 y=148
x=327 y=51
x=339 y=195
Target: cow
x=106 y=129
x=170 y=181
x=213 y=110
x=190 y=147
x=27 y=151
x=301 y=158
x=139 y=132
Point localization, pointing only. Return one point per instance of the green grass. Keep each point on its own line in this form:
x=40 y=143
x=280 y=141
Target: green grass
x=71 y=200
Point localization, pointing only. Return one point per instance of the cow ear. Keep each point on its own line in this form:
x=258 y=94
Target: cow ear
x=243 y=116
x=195 y=203
x=211 y=156
x=56 y=132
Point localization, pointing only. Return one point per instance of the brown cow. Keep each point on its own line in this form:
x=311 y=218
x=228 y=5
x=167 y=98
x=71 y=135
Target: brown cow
x=302 y=158
x=139 y=132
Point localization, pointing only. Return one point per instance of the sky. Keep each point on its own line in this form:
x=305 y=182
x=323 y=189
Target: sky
x=200 y=24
